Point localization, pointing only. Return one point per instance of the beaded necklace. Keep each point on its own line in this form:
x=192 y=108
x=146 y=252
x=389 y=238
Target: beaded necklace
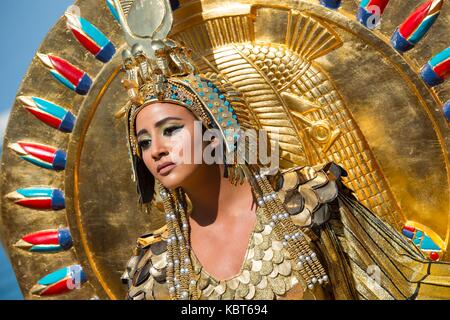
x=180 y=280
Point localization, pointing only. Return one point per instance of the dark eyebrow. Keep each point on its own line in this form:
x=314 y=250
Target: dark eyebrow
x=162 y=121
x=158 y=124
x=142 y=131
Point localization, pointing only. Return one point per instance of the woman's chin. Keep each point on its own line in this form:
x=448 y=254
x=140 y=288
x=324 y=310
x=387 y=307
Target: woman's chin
x=178 y=176
x=171 y=181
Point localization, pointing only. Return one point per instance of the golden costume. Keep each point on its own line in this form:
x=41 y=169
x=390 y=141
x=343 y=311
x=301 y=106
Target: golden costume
x=351 y=240
x=268 y=271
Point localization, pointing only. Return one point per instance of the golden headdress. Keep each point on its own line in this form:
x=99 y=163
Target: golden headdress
x=159 y=70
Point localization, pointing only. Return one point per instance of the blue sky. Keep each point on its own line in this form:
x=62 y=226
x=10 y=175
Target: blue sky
x=23 y=26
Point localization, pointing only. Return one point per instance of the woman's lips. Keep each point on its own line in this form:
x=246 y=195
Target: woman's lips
x=165 y=168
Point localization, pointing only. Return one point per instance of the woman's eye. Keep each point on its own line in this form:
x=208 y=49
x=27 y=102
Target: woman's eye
x=144 y=144
x=171 y=130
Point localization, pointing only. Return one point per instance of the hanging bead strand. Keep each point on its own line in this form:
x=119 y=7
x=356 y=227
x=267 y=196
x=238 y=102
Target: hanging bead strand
x=194 y=294
x=298 y=244
x=309 y=266
x=271 y=209
x=188 y=282
x=169 y=210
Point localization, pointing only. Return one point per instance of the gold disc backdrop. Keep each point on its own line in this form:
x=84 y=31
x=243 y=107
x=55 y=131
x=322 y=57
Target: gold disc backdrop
x=334 y=90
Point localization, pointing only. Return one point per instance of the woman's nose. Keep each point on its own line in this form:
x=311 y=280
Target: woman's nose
x=158 y=149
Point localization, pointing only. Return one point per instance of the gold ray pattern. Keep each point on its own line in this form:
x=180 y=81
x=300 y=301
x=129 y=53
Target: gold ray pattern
x=264 y=72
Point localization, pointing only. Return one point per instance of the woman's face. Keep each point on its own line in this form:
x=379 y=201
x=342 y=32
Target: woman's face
x=165 y=135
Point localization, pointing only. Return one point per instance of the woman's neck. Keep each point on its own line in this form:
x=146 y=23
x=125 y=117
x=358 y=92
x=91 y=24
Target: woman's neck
x=214 y=197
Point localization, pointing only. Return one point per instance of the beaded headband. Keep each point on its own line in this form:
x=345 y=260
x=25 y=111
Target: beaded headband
x=202 y=97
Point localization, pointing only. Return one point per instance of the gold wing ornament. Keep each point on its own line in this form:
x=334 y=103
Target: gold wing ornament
x=366 y=258
x=338 y=85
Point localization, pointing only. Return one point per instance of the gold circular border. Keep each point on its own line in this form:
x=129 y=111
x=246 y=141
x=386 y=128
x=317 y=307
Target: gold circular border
x=74 y=152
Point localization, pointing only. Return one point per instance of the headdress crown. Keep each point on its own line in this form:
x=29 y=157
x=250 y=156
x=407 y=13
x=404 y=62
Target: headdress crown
x=160 y=69
x=151 y=57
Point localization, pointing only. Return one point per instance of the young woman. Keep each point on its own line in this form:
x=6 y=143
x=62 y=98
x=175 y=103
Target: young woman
x=238 y=241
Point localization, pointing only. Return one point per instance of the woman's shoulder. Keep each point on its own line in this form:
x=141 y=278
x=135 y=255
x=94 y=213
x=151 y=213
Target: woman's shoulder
x=308 y=191
x=145 y=273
